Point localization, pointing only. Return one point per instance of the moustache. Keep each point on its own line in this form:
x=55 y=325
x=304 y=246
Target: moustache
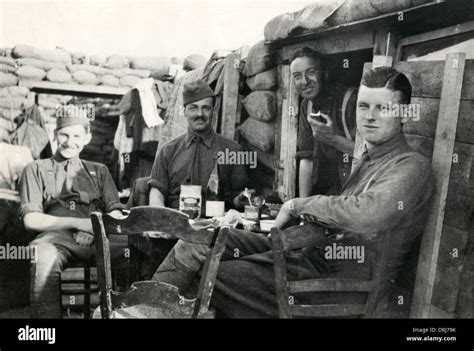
x=199 y=119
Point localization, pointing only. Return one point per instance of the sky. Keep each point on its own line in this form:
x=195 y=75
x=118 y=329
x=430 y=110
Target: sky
x=139 y=28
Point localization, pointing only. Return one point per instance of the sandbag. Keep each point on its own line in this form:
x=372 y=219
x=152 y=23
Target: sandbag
x=129 y=81
x=110 y=80
x=8 y=79
x=13 y=102
x=7 y=61
x=59 y=75
x=45 y=65
x=122 y=72
x=80 y=58
x=89 y=68
x=10 y=114
x=14 y=91
x=85 y=77
x=7 y=68
x=55 y=55
x=259 y=59
x=152 y=63
x=116 y=61
x=193 y=62
x=98 y=60
x=259 y=134
x=30 y=72
x=261 y=105
x=354 y=10
x=264 y=81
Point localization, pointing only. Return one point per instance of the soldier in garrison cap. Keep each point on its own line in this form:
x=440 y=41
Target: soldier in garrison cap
x=57 y=196
x=190 y=158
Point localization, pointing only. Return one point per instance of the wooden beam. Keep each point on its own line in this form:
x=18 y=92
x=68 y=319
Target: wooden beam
x=73 y=89
x=437 y=34
x=231 y=95
x=333 y=44
x=441 y=164
x=289 y=131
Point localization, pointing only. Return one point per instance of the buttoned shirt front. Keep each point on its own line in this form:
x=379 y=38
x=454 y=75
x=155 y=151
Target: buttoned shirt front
x=189 y=160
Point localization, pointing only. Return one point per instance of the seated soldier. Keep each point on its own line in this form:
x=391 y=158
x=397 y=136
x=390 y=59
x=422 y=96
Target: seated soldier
x=190 y=158
x=57 y=196
x=389 y=192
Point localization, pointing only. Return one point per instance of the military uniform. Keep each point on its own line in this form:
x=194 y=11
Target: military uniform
x=63 y=188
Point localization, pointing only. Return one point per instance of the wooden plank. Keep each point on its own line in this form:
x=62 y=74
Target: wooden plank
x=330 y=284
x=327 y=310
x=439 y=33
x=424 y=123
x=441 y=164
x=333 y=44
x=289 y=134
x=426 y=78
x=231 y=95
x=281 y=93
x=209 y=273
x=279 y=265
x=465 y=303
x=73 y=89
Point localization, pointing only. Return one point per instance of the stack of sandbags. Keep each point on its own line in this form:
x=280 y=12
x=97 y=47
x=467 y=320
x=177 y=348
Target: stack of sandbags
x=35 y=63
x=8 y=78
x=261 y=104
x=51 y=103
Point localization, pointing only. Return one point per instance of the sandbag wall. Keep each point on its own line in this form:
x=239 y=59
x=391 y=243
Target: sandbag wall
x=25 y=62
x=257 y=132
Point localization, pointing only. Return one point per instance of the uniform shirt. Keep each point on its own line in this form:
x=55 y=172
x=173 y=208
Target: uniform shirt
x=183 y=161
x=331 y=168
x=67 y=188
x=388 y=191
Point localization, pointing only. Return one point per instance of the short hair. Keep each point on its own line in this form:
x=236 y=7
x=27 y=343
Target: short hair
x=310 y=53
x=390 y=78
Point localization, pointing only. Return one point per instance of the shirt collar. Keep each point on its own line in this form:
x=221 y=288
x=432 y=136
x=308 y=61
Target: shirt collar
x=206 y=136
x=378 y=151
x=58 y=158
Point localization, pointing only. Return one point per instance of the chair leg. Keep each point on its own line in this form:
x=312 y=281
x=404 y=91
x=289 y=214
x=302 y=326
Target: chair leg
x=87 y=293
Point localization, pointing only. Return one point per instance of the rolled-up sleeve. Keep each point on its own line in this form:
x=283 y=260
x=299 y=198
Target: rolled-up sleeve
x=159 y=173
x=109 y=191
x=394 y=196
x=31 y=190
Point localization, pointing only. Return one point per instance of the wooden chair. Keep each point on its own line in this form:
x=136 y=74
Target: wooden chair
x=77 y=288
x=152 y=299
x=292 y=240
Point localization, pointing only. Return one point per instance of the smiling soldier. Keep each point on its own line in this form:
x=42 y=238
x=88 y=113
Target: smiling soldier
x=57 y=196
x=190 y=158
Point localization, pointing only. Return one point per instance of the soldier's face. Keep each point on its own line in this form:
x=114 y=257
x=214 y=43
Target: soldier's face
x=199 y=114
x=375 y=125
x=308 y=76
x=71 y=140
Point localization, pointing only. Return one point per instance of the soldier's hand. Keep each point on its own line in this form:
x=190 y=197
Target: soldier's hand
x=83 y=238
x=324 y=132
